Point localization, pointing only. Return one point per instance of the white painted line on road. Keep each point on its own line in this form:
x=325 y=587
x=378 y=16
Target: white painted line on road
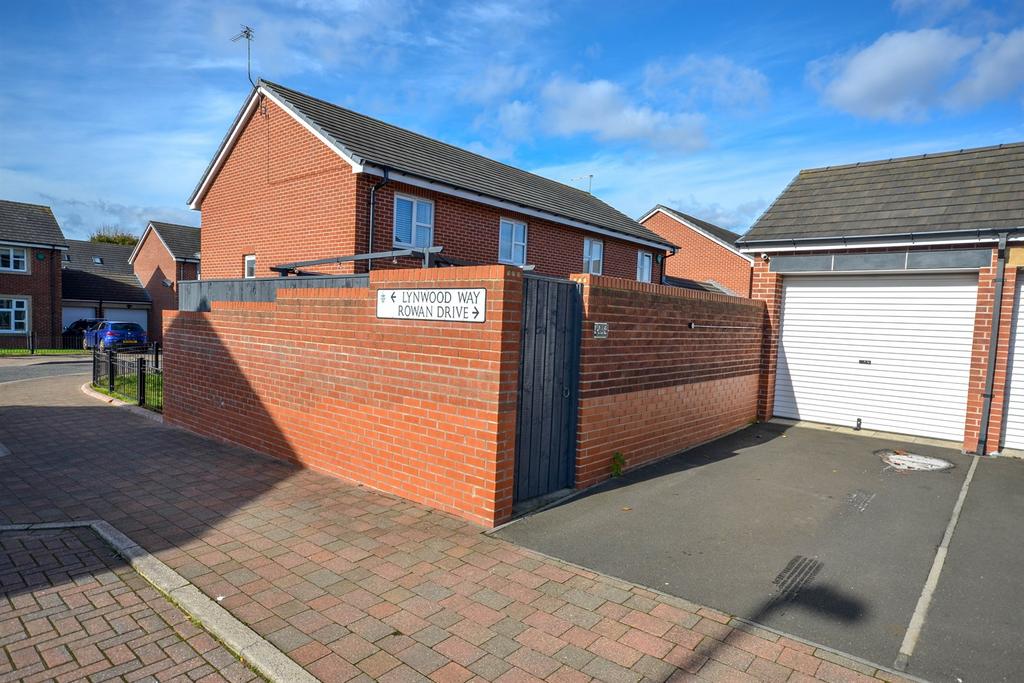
x=925 y=599
x=32 y=379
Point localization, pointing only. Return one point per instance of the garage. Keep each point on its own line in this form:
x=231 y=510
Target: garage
x=129 y=315
x=1013 y=425
x=884 y=352
x=70 y=314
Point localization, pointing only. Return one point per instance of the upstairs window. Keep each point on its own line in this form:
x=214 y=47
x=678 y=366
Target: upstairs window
x=14 y=259
x=250 y=266
x=414 y=222
x=593 y=256
x=644 y=263
x=512 y=242
x=13 y=315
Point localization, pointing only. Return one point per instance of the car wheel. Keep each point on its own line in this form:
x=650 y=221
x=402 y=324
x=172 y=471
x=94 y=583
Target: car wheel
x=85 y=344
x=103 y=347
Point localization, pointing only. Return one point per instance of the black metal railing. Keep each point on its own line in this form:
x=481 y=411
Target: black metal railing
x=135 y=375
x=30 y=343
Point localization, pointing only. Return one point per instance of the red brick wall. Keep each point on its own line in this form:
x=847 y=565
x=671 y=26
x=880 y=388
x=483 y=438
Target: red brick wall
x=468 y=230
x=153 y=264
x=282 y=195
x=768 y=288
x=423 y=410
x=42 y=286
x=700 y=258
x=655 y=387
x=285 y=196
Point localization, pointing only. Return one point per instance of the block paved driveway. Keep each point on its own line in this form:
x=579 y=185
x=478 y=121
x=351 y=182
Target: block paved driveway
x=355 y=585
x=805 y=530
x=73 y=612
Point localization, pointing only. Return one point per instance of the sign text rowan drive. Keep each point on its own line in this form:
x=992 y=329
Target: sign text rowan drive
x=454 y=305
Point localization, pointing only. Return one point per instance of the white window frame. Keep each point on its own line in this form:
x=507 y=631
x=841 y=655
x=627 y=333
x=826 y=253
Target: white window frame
x=10 y=252
x=13 y=308
x=588 y=257
x=512 y=248
x=644 y=261
x=246 y=260
x=416 y=201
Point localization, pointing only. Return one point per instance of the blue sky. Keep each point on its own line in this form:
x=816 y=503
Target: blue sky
x=110 y=111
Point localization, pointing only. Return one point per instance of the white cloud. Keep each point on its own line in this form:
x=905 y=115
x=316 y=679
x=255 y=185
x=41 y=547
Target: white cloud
x=603 y=109
x=898 y=77
x=717 y=80
x=494 y=81
x=515 y=119
x=996 y=72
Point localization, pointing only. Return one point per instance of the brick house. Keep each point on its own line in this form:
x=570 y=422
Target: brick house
x=166 y=254
x=893 y=297
x=98 y=282
x=31 y=243
x=706 y=252
x=297 y=178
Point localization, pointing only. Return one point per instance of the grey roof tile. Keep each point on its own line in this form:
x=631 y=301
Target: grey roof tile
x=111 y=280
x=29 y=223
x=181 y=240
x=970 y=189
x=384 y=145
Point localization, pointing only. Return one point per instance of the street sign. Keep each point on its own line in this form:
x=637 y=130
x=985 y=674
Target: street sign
x=448 y=305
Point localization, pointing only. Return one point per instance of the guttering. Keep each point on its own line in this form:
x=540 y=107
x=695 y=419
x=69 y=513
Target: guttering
x=990 y=373
x=34 y=245
x=373 y=223
x=907 y=239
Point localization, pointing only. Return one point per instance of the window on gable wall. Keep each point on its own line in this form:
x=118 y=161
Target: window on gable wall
x=13 y=258
x=512 y=242
x=250 y=266
x=414 y=222
x=644 y=264
x=593 y=256
x=13 y=315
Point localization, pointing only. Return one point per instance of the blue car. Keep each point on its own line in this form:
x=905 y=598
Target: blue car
x=111 y=334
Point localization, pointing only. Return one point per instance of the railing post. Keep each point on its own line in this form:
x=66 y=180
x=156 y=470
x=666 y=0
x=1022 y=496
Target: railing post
x=32 y=342
x=140 y=374
x=110 y=371
x=95 y=369
x=156 y=355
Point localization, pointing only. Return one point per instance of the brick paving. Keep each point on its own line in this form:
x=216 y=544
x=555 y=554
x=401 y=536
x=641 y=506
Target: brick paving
x=70 y=610
x=356 y=585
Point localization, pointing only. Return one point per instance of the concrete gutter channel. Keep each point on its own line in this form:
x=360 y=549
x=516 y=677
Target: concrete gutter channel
x=242 y=641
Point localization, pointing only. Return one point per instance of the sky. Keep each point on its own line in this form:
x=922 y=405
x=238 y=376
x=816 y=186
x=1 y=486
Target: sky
x=110 y=111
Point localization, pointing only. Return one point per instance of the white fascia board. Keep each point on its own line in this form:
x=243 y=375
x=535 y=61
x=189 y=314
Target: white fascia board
x=697 y=229
x=443 y=188
x=32 y=245
x=222 y=155
x=346 y=154
x=138 y=245
x=873 y=245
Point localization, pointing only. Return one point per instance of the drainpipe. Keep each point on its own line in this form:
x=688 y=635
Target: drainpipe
x=986 y=410
x=373 y=203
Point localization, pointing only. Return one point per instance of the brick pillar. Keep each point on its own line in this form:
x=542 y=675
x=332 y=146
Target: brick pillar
x=979 y=357
x=767 y=287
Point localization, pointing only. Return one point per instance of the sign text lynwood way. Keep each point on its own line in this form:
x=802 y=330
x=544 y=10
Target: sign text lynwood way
x=451 y=305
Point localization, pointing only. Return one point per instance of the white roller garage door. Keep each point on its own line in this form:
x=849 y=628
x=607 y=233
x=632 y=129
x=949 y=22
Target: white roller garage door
x=70 y=314
x=129 y=315
x=891 y=350
x=1013 y=430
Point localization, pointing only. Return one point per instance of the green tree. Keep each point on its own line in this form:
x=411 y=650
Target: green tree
x=114 y=234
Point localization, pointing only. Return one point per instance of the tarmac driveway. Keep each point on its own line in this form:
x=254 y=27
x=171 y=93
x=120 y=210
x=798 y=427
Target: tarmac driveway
x=806 y=530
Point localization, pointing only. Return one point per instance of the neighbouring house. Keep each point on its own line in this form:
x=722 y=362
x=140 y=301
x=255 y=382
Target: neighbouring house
x=165 y=255
x=98 y=282
x=31 y=243
x=893 y=297
x=706 y=252
x=297 y=178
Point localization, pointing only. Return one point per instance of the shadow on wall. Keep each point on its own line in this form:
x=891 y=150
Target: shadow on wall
x=164 y=487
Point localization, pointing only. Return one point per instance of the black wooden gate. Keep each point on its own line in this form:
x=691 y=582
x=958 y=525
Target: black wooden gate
x=548 y=387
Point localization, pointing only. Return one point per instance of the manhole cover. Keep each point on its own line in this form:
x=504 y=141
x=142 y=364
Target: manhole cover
x=911 y=462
